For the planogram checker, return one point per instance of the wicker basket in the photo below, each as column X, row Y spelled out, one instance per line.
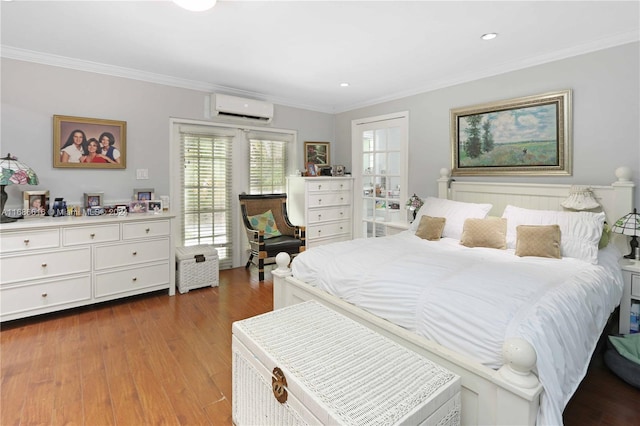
column 196, row 267
column 307, row 364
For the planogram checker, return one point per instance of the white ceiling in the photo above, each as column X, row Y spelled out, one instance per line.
column 297, row 53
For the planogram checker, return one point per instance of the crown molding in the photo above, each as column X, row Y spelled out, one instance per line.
column 99, row 68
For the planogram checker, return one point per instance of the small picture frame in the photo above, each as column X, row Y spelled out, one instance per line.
column 312, row 169
column 36, row 203
column 93, row 199
column 138, row 206
column 154, row 207
column 338, row 170
column 317, row 153
column 143, row 194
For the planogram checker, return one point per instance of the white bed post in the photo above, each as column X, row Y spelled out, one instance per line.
column 443, row 183
column 279, row 274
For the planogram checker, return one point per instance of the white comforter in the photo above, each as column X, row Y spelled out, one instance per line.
column 472, row 299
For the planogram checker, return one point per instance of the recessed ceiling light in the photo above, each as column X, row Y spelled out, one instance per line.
column 344, row 84
column 489, row 36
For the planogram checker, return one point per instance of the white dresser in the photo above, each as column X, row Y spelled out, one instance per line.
column 324, row 205
column 50, row 264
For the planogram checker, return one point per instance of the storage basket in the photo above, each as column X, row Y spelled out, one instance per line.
column 196, row 267
column 306, row 364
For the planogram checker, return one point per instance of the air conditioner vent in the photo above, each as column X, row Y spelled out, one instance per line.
column 241, row 108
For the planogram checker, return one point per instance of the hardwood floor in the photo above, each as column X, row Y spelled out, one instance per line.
column 156, row 359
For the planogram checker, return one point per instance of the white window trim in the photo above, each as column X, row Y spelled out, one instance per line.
column 240, row 181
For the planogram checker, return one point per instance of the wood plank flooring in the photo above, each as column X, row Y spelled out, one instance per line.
column 155, row 359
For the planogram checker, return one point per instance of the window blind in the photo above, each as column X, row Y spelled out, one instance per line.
column 267, row 162
column 206, row 216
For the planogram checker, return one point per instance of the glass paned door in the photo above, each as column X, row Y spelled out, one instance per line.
column 380, row 164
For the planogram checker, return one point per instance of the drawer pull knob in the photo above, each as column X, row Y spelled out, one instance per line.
column 135, row 253
column 134, row 279
column 319, row 231
column 341, row 213
column 92, row 235
column 319, row 216
column 44, row 265
column 147, row 230
column 279, row 385
column 26, row 242
column 319, row 200
column 44, row 294
column 319, row 186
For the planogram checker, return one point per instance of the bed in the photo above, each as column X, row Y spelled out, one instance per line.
column 519, row 364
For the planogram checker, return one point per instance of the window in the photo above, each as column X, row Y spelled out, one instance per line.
column 206, row 216
column 267, row 162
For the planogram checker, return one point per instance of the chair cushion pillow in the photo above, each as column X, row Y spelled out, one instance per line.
column 265, row 222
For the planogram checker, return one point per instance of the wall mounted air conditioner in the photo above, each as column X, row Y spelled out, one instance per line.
column 225, row 106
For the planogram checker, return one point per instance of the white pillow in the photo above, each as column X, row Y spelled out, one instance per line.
column 580, row 232
column 455, row 213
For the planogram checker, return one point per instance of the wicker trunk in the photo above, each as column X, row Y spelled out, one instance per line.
column 196, row 267
column 306, row 364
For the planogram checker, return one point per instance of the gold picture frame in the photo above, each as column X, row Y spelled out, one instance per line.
column 35, row 203
column 523, row 136
column 89, row 143
column 317, row 153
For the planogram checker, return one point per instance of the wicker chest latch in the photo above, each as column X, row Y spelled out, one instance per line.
column 278, row 384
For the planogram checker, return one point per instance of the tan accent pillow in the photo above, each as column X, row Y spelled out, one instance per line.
column 490, row 232
column 430, row 228
column 538, row 240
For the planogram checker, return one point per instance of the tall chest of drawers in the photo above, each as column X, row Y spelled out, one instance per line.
column 324, row 205
column 51, row 264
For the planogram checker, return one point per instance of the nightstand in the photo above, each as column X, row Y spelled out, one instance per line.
column 631, row 292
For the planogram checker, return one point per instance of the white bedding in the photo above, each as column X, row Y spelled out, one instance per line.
column 472, row 299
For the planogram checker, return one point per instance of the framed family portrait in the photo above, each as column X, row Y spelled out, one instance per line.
column 89, row 143
column 523, row 136
column 35, row 203
column 316, row 153
column 155, row 206
column 143, row 194
column 93, row 199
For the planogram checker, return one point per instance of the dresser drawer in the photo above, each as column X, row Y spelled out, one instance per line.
column 44, row 295
column 328, row 229
column 131, row 280
column 635, row 285
column 29, row 240
column 154, row 228
column 321, row 185
column 131, row 253
column 44, row 265
column 90, row 234
column 329, row 199
column 318, row 215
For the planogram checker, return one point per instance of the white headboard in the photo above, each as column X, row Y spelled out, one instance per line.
column 616, row 199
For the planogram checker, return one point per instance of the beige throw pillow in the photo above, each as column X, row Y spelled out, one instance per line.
column 490, row 232
column 430, row 228
column 538, row 240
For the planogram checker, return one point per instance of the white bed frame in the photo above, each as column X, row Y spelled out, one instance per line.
column 511, row 394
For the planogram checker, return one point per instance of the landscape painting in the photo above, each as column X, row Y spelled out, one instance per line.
column 520, row 136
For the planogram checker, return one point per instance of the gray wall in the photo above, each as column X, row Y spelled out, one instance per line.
column 32, row 93
column 606, row 129
column 606, row 117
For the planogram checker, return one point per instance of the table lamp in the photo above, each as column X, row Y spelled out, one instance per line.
column 14, row 172
column 629, row 225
